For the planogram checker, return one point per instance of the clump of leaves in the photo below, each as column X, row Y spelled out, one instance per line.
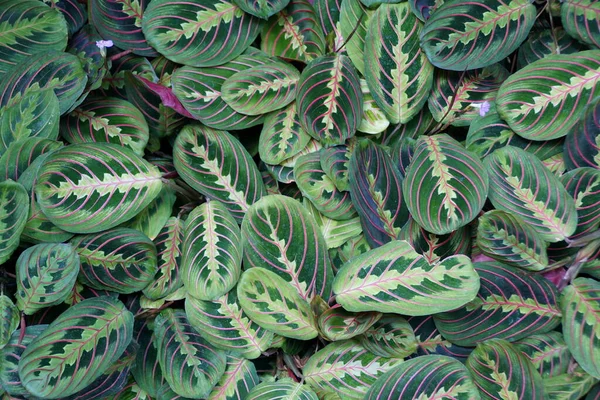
column 293, row 199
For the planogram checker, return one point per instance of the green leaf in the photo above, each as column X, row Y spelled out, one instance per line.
column 121, row 260
column 425, row 377
column 397, row 71
column 346, row 369
column 330, row 99
column 509, row 239
column 294, row 33
column 211, row 252
column 46, row 274
column 468, row 35
column 390, row 337
column 14, row 207
column 581, row 323
column 570, row 386
column 582, row 144
column 190, row 365
column 275, row 304
column 224, row 324
column 394, row 278
column 91, row 187
column 261, row 89
column 203, row 33
column 282, row 136
column 27, row 28
column 270, row 233
column 545, row 43
column 335, row 232
column 337, row 324
column 353, row 25
column 217, row 165
column 155, row 215
column 23, row 153
column 430, row 341
column 262, row 8
column 239, row 378
column 548, row 352
column 511, row 305
column 79, row 346
column 9, row 319
column 545, row 99
column 522, row 185
column 580, row 19
column 445, row 185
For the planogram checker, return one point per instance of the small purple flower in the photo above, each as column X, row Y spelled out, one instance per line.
column 104, row 44
column 484, row 108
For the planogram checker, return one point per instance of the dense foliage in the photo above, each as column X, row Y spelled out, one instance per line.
column 293, row 199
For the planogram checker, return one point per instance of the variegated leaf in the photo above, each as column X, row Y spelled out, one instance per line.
column 23, row 153
column 211, row 252
column 261, row 89
column 582, row 144
column 394, row 278
column 545, row 43
column 509, row 239
column 336, row 324
column 283, row 389
column 262, row 8
column 107, row 119
column 445, row 185
column 581, row 19
column 274, row 304
column 583, row 184
column 373, row 120
column 580, row 304
column 121, row 260
column 430, row 340
column 9, row 319
column 376, row 187
column 346, row 369
column 282, row 236
column 224, row 324
column 421, row 124
column 468, row 35
column 154, row 216
column 398, row 73
column 81, row 343
column 521, row 184
column 190, row 365
column 390, row 337
column 217, row 165
column 168, row 250
column 239, row 378
column 14, row 208
column 146, row 369
column 571, row 386
column 294, row 33
column 545, row 99
column 329, row 99
column 500, row 371
column 335, row 161
column 282, row 136
column 548, row 352
column 46, row 274
column 90, row 187
column 426, row 377
column 353, row 25
column 202, row 33
column 335, row 232
column 320, row 189
column 511, row 305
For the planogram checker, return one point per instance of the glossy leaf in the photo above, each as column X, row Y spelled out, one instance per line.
column 545, row 99
column 294, row 33
column 121, row 21
column 548, row 353
column 425, row 377
column 373, row 120
column 335, row 232
column 217, row 165
column 239, row 378
column 275, row 305
column 354, row 22
column 500, row 371
column 376, row 187
column 284, row 389
column 107, row 119
column 46, row 274
column 571, row 386
column 397, row 71
column 547, row 42
column 282, row 136
column 226, row 326
column 9, row 319
column 21, row 154
column 76, row 348
column 582, row 144
column 270, row 233
column 581, row 20
column 27, row 28
column 262, row 9
column 468, row 35
column 14, row 208
column 190, row 365
column 346, row 369
column 507, row 238
column 521, row 184
column 583, row 184
column 336, row 324
column 436, row 247
column 445, row 185
column 201, row 33
column 329, row 99
column 262, row 89
column 90, row 187
column 335, row 161
column 430, row 341
column 154, row 216
column 581, row 323
column 121, row 260
column 511, row 305
column 394, row 278
column 390, row 337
